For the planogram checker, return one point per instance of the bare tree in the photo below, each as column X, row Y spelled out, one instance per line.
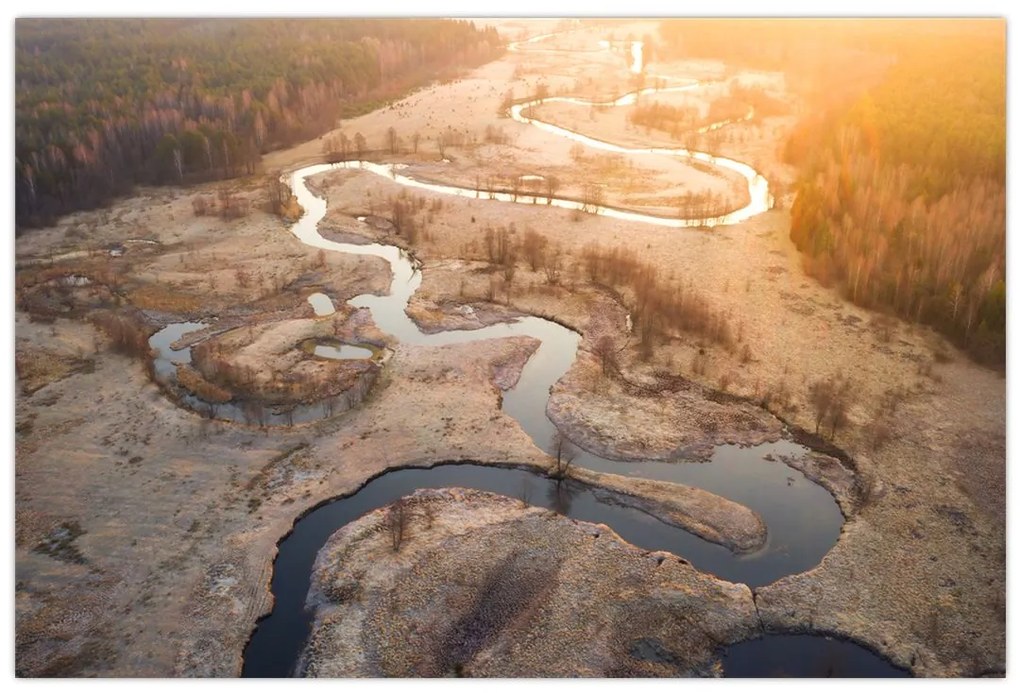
column 820, row 396
column 606, row 351
column 509, row 270
column 490, row 244
column 402, row 218
column 552, row 184
column 396, row 522
column 253, row 412
column 592, row 198
column 359, row 145
column 839, row 416
column 564, row 454
column 500, row 246
column 391, row 139
column 279, row 193
column 533, row 246
column 507, row 103
column 831, row 400
column 553, row 267
column 956, row 297
column 515, row 188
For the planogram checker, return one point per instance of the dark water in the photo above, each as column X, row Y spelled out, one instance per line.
column 805, row 656
column 279, row 639
column 803, row 520
column 167, row 358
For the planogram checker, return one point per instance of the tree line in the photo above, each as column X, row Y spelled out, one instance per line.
column 900, row 199
column 102, row 105
column 662, row 309
column 678, row 121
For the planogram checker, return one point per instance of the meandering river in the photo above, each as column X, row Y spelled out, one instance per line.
column 803, row 519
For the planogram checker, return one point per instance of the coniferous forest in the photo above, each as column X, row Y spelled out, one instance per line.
column 901, row 199
column 103, row 105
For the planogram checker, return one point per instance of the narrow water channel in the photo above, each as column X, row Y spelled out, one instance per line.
column 278, row 640
column 803, row 519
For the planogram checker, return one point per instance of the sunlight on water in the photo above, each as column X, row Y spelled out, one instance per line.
column 781, row 495
column 803, row 519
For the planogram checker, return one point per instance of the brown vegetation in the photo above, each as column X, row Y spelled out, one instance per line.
column 193, row 381
column 226, row 204
column 220, row 370
column 902, row 203
column 282, row 201
column 682, row 122
column 126, row 334
column 563, row 453
column 396, row 522
column 831, row 399
column 162, row 298
column 659, row 309
column 103, row 104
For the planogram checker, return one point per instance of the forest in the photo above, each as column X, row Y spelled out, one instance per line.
column 680, row 121
column 103, row 105
column 901, row 200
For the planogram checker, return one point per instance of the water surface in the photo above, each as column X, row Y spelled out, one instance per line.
column 805, row 656
column 803, row 519
column 321, row 304
column 167, row 358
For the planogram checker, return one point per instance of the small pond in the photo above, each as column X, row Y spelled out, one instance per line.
column 336, row 350
column 321, row 304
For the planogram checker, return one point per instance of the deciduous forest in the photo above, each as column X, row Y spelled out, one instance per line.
column 901, row 197
column 102, row 105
